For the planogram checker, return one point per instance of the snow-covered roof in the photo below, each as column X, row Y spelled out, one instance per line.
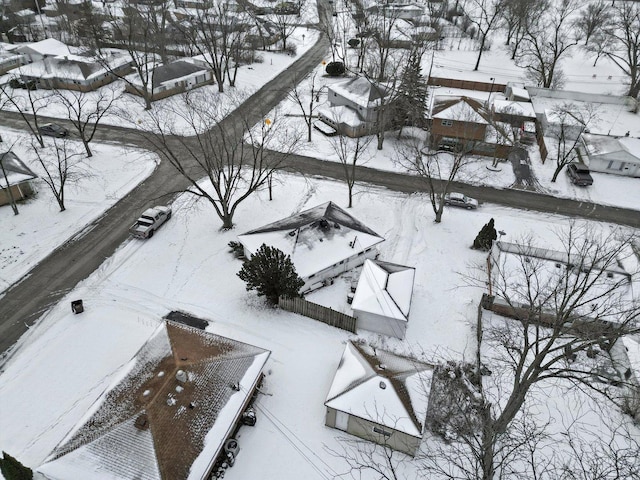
column 72, row 67
column 168, row 412
column 384, row 289
column 315, row 239
column 47, row 47
column 15, row 169
column 523, row 109
column 341, row 114
column 624, row 148
column 459, row 109
column 382, row 387
column 360, row 91
column 611, row 115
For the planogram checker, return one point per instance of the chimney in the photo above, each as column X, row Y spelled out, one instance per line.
column 142, row 422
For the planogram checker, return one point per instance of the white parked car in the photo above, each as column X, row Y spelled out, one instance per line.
column 460, row 200
column 150, row 220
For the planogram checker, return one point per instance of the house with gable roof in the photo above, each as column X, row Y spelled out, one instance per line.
column 75, row 72
column 323, row 242
column 381, row 397
column 354, row 106
column 15, row 178
column 172, row 78
column 463, row 123
column 169, row 412
column 36, row 51
column 617, row 155
column 382, row 298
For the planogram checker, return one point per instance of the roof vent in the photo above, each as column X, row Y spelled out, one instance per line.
column 142, row 422
column 381, row 366
column 236, row 387
column 383, row 385
column 181, row 376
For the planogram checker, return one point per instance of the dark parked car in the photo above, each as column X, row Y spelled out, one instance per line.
column 53, row 130
column 579, row 174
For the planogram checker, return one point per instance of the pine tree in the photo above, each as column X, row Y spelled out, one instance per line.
column 12, row 469
column 412, row 94
column 486, row 236
column 271, row 273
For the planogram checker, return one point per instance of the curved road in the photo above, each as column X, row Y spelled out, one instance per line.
column 50, row 280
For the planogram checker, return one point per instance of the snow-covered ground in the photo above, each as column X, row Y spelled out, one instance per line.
column 40, row 227
column 65, row 362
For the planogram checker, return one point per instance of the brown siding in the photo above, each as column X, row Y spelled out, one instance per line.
column 467, row 84
column 466, row 130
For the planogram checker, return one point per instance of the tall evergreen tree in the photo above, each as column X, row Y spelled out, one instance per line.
column 411, row 100
column 486, row 236
column 271, row 273
column 12, row 469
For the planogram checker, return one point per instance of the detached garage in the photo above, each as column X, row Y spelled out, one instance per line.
column 382, row 299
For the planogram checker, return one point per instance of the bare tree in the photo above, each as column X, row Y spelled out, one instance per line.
column 136, row 34
column 594, row 18
column 218, row 35
column 285, row 24
column 567, row 307
column 232, row 166
column 626, row 35
column 603, row 43
column 86, row 110
column 484, row 14
column 62, row 165
column 569, row 123
column 299, row 96
column 517, row 14
column 382, row 30
column 546, row 41
column 28, row 107
column 437, row 168
column 350, row 153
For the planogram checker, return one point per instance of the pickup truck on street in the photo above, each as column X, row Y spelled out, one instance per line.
column 579, row 174
column 150, row 220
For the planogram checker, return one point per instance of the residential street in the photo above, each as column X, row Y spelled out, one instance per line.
column 49, row 281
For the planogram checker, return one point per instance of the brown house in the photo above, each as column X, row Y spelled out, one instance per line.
column 465, row 124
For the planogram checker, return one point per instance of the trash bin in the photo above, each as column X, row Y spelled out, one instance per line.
column 76, row 306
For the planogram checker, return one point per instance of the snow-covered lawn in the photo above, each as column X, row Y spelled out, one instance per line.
column 40, row 227
column 65, row 362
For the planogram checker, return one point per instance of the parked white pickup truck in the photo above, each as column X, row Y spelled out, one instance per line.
column 150, row 221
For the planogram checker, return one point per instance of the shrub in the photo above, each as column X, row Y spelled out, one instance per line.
column 486, row 236
column 335, row 69
column 12, row 469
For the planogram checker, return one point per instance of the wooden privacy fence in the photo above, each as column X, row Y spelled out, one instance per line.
column 318, row 312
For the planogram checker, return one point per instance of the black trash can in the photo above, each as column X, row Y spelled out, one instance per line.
column 76, row 306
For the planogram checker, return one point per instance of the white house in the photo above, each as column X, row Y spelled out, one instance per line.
column 36, row 51
column 323, row 242
column 76, row 72
column 382, row 298
column 381, row 397
column 172, row 78
column 169, row 412
column 618, row 155
column 354, row 105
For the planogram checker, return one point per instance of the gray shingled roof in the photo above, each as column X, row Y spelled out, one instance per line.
column 173, row 70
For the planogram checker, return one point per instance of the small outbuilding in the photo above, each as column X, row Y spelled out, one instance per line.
column 382, row 298
column 15, row 178
column 381, row 397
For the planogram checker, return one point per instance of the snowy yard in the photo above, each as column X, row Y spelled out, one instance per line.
column 40, row 227
column 66, row 361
